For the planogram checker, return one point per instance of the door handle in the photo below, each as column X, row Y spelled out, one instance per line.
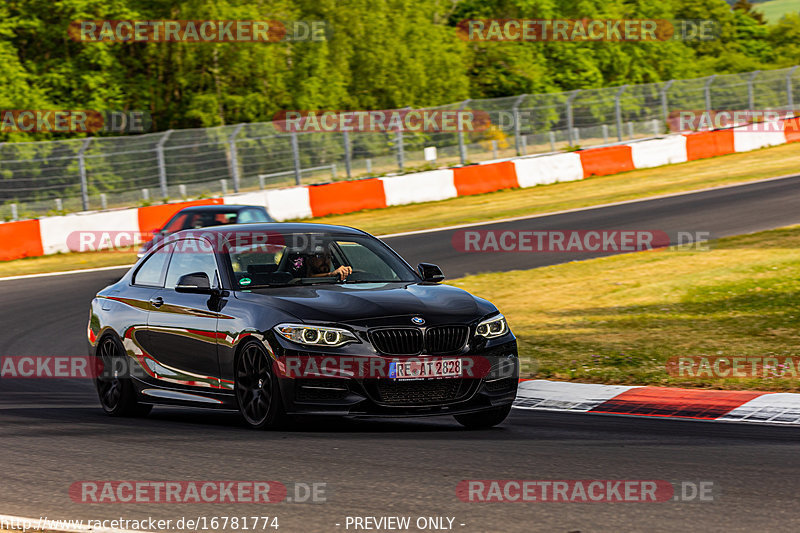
column 157, row 302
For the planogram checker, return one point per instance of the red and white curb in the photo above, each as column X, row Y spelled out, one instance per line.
column 756, row 407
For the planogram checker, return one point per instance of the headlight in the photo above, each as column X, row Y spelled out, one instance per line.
column 492, row 327
column 315, row 335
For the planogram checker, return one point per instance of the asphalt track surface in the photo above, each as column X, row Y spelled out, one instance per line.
column 53, row 433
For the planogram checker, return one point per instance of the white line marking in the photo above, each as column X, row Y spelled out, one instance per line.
column 64, row 273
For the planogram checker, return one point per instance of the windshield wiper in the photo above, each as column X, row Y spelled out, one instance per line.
column 316, row 281
column 373, row 281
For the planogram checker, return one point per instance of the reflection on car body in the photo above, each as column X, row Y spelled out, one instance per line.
column 262, row 319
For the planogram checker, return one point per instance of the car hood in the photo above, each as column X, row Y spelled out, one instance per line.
column 371, row 302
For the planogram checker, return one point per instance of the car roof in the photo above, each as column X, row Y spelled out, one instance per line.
column 217, row 208
column 279, row 227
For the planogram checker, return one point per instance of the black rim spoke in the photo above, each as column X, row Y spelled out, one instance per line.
column 254, row 385
column 108, row 387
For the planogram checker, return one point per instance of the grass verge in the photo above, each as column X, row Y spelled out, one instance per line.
column 619, row 319
column 65, row 262
column 723, row 170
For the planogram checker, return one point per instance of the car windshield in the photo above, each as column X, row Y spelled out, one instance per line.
column 281, row 259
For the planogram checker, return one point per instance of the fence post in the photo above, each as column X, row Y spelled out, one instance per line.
column 664, row 102
column 234, row 157
column 789, row 87
column 14, row 212
column 400, row 152
column 552, row 141
column 296, row 157
column 605, row 133
column 750, row 95
column 570, row 118
column 162, row 168
column 707, row 90
column 462, row 147
column 347, row 156
column 82, row 170
column 618, row 111
column 517, row 129
column 103, row 201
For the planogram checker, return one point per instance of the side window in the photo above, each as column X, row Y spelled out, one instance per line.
column 190, row 256
column 151, row 273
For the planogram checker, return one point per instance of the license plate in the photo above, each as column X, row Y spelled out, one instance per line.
column 440, row 368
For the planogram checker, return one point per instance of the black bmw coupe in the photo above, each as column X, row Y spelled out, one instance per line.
column 283, row 319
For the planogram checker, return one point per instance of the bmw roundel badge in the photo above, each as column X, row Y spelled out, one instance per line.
column 418, row 320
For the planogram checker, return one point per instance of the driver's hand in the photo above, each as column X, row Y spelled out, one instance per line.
column 342, row 272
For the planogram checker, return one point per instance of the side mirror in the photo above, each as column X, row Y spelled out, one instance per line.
column 194, row 283
column 430, row 272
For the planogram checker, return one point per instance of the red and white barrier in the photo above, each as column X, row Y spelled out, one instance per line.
column 658, row 152
column 745, row 139
column 430, row 186
column 287, row 204
column 56, row 230
column 660, row 402
column 31, row 238
column 548, row 169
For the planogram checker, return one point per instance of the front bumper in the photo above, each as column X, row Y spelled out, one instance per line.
column 380, row 396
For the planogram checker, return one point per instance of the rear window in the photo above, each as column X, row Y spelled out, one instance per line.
column 247, row 216
column 205, row 219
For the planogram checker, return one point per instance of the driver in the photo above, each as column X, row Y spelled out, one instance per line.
column 320, row 264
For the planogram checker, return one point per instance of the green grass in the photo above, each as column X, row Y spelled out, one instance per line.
column 775, row 9
column 619, row 319
column 65, row 262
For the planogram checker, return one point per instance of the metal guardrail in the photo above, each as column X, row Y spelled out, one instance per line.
column 37, row 178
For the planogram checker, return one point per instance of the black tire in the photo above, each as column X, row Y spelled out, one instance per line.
column 483, row 419
column 117, row 394
column 256, row 388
